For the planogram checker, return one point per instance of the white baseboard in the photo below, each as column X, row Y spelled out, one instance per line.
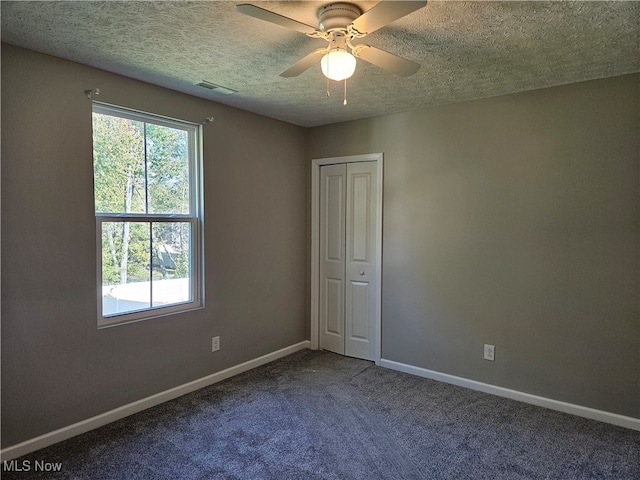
column 586, row 412
column 92, row 423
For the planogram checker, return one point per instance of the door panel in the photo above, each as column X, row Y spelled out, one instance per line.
column 358, row 297
column 360, row 264
column 360, row 216
column 334, row 307
column 332, row 257
column 334, row 198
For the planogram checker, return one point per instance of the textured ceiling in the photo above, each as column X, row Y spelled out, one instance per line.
column 468, row 50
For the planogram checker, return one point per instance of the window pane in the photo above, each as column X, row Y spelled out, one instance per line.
column 118, row 164
column 125, row 267
column 167, row 170
column 171, row 263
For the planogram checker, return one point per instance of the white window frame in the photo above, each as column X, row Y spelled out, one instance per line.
column 195, row 219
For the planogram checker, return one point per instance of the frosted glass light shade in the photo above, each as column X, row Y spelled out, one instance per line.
column 338, row 64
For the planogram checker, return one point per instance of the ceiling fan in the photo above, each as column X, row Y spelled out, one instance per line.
column 339, row 24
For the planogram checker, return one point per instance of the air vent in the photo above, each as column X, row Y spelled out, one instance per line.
column 216, row 88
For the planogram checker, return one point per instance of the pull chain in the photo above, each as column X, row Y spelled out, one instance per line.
column 345, row 92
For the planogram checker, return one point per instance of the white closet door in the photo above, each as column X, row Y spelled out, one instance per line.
column 332, row 257
column 347, row 259
column 360, row 294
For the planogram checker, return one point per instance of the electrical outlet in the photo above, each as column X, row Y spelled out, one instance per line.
column 489, row 352
column 215, row 344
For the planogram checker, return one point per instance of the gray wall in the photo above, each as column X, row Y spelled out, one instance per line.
column 57, row 367
column 513, row 221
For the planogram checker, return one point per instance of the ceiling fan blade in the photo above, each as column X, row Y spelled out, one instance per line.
column 304, row 64
column 268, row 16
column 384, row 13
column 388, row 61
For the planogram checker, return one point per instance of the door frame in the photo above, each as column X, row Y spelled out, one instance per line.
column 316, row 163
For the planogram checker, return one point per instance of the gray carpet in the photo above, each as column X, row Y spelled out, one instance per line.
column 316, row 415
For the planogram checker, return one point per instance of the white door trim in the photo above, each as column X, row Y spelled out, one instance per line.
column 316, row 163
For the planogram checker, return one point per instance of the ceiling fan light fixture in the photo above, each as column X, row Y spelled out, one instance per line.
column 338, row 64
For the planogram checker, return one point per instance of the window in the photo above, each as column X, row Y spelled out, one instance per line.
column 146, row 172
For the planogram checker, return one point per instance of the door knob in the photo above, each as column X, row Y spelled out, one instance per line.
column 361, row 272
